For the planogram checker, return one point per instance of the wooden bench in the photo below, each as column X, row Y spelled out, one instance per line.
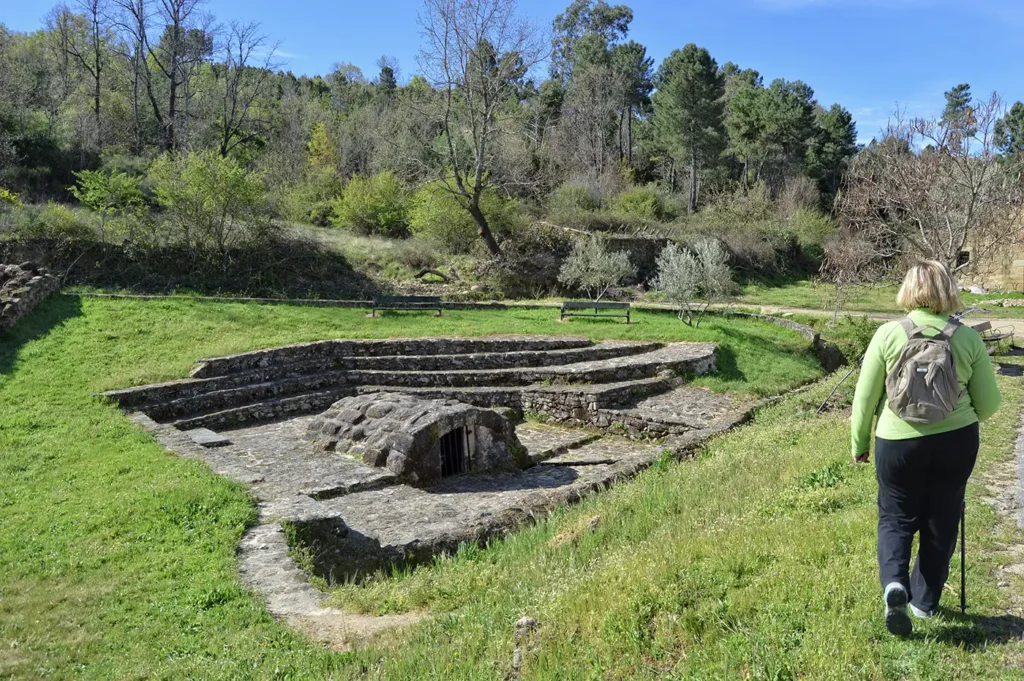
column 575, row 308
column 991, row 337
column 416, row 303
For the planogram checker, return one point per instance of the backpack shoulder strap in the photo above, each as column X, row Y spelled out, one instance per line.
column 910, row 327
column 950, row 328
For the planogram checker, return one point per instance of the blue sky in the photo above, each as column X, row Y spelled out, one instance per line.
column 868, row 55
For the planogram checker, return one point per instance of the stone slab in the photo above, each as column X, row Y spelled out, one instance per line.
column 207, row 438
column 543, row 441
column 604, row 451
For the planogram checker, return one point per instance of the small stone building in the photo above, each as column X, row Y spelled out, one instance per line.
column 420, row 441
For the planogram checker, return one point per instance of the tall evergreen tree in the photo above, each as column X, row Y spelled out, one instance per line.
column 1010, row 132
column 689, row 108
column 833, row 145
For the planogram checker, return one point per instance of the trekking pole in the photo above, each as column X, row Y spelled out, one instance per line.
column 963, row 559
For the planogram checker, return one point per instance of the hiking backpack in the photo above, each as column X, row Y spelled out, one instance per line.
column 923, row 387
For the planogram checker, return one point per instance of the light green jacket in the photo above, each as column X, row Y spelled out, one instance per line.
column 973, row 370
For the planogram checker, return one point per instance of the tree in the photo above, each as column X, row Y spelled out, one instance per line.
column 84, row 38
column 958, row 121
column 182, row 44
column 634, row 68
column 927, row 191
column 831, row 148
column 770, row 129
column 690, row 110
column 584, row 33
column 109, row 194
column 242, row 118
column 476, row 52
column 387, row 81
column 594, row 268
column 1009, row 132
column 694, row 280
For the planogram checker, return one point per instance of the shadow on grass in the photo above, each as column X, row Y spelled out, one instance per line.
column 49, row 315
column 977, row 631
column 727, row 368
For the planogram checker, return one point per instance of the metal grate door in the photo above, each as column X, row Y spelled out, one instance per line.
column 453, row 452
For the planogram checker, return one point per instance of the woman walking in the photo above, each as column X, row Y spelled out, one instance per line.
column 937, row 382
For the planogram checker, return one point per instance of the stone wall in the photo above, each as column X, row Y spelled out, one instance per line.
column 22, row 288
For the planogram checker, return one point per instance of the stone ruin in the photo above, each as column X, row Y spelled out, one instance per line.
column 22, row 288
column 371, row 454
column 418, row 440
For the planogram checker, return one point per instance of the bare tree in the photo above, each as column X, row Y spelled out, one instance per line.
column 181, row 46
column 477, row 53
column 245, row 83
column 83, row 39
column 585, row 136
column 935, row 188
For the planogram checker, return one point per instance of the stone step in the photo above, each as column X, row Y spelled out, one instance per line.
column 558, row 402
column 264, row 412
column 604, row 451
column 139, row 398
column 219, row 400
column 325, row 351
column 673, row 358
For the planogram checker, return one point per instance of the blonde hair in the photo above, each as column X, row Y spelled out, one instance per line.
column 929, row 285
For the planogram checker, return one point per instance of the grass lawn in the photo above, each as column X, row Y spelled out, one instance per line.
column 755, row 561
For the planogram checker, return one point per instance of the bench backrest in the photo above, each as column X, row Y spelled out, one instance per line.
column 407, row 300
column 589, row 305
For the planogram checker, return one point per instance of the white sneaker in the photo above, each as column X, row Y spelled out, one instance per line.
column 896, row 619
column 921, row 614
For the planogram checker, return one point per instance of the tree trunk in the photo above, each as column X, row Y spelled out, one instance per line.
column 692, row 206
column 483, row 229
column 629, row 137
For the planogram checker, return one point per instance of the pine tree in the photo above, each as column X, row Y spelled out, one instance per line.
column 690, row 110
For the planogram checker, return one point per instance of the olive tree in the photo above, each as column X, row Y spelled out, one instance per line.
column 592, row 267
column 694, row 280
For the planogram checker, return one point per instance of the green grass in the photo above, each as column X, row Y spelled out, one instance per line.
column 756, row 561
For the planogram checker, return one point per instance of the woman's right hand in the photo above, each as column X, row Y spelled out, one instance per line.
column 862, row 458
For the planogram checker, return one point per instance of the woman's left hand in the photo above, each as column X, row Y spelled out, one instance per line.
column 862, row 458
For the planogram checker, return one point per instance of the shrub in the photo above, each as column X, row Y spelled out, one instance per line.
column 211, row 200
column 571, row 198
column 438, row 216
column 373, row 205
column 312, row 198
column 594, row 268
column 643, row 202
column 811, row 228
column 54, row 222
column 9, row 199
column 694, row 281
column 110, row 195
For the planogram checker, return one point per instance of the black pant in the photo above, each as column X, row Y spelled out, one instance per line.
column 921, row 485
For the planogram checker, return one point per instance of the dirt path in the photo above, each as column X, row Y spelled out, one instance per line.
column 1004, row 485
